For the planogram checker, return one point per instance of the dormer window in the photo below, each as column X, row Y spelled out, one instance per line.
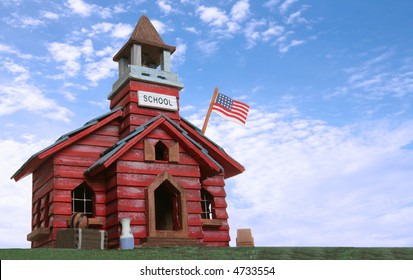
column 161, row 151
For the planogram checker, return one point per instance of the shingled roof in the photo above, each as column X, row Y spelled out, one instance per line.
column 213, row 158
column 144, row 34
column 209, row 166
column 64, row 141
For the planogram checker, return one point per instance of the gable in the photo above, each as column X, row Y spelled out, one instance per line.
column 66, row 140
column 230, row 165
column 211, row 158
column 209, row 167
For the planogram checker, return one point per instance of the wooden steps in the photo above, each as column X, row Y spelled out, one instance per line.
column 156, row 242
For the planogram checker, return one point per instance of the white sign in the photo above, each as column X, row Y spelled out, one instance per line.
column 156, row 100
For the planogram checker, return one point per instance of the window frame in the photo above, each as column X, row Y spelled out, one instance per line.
column 207, row 205
column 87, row 197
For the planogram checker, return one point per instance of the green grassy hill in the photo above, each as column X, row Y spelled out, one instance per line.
column 256, row 253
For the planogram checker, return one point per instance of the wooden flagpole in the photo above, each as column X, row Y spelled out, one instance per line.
column 214, row 97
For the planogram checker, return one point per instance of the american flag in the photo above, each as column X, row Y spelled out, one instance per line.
column 230, row 109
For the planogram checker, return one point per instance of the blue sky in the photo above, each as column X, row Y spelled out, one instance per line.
column 328, row 146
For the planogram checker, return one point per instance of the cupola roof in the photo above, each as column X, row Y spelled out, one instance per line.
column 145, row 35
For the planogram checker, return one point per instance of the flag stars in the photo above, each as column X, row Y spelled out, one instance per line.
column 224, row 101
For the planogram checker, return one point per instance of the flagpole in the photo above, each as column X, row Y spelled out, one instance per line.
column 214, row 97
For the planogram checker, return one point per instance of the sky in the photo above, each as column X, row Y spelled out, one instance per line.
column 328, row 144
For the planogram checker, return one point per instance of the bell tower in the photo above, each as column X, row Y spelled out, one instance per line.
column 146, row 86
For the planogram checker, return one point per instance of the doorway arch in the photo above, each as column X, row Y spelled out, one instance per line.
column 167, row 208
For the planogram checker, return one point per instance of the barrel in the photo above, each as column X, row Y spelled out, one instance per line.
column 79, row 220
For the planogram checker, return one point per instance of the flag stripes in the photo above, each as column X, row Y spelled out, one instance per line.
column 230, row 109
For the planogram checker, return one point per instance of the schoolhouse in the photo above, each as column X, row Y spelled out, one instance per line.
column 141, row 160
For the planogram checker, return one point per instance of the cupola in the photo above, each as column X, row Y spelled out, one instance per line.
column 145, row 57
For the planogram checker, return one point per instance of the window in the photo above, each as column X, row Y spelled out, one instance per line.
column 207, row 204
column 161, row 151
column 46, row 210
column 36, row 218
column 82, row 200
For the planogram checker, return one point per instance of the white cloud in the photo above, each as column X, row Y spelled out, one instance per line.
column 225, row 25
column 16, row 69
column 15, row 198
column 49, row 15
column 164, row 6
column 117, row 31
column 207, row 47
column 102, row 27
column 87, row 48
column 212, row 15
column 240, row 10
column 6, row 49
column 193, row 30
column 70, row 57
column 95, row 65
column 296, row 18
column 101, row 69
column 222, row 24
column 23, row 96
column 286, row 5
column 187, row 108
column 68, row 54
column 284, row 48
column 178, row 57
column 107, row 51
column 378, row 77
column 9, row 3
column 309, row 183
column 80, row 7
column 121, row 30
column 101, row 104
column 271, row 3
column 13, row 50
column 273, row 31
column 119, row 8
column 77, row 86
column 84, row 9
column 251, row 33
column 68, row 95
column 161, row 27
column 21, row 21
column 262, row 31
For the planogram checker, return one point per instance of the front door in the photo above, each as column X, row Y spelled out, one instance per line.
column 167, row 208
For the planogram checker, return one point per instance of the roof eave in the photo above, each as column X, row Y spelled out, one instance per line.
column 37, row 159
column 231, row 166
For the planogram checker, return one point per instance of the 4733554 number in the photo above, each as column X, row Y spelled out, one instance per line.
column 254, row 270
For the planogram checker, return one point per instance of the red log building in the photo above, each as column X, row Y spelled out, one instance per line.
column 141, row 160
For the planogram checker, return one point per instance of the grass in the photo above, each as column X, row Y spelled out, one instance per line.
column 239, row 253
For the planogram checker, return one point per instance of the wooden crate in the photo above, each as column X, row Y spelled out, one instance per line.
column 78, row 238
column 244, row 238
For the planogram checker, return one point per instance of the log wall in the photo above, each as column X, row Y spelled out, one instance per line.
column 217, row 236
column 120, row 190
